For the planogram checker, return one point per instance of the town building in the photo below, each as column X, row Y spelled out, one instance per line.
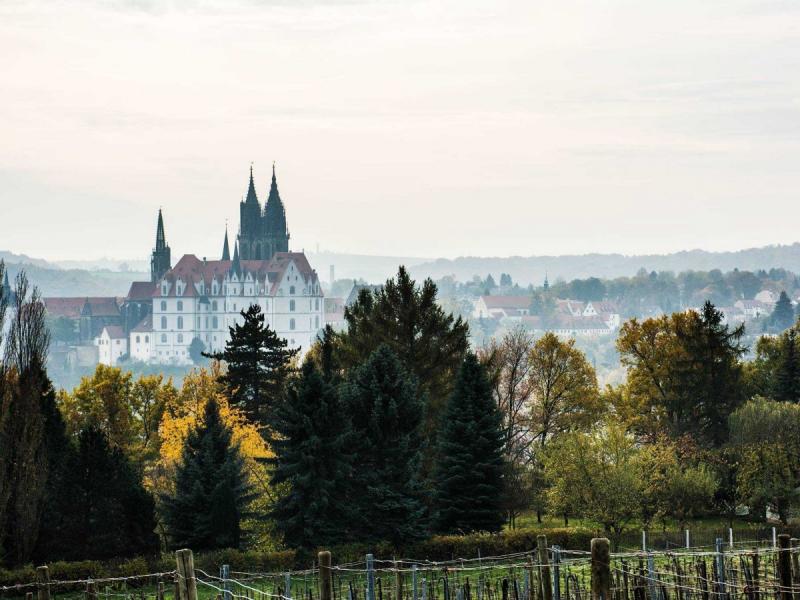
column 112, row 345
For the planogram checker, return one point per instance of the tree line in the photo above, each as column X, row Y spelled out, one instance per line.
column 389, row 431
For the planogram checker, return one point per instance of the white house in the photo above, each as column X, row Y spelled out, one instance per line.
column 112, row 344
column 500, row 307
column 141, row 340
column 202, row 299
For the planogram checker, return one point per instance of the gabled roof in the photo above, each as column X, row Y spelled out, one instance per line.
column 145, row 325
column 141, row 290
column 115, row 332
column 73, row 308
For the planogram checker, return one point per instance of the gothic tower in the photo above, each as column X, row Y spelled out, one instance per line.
column 250, row 243
column 275, row 232
column 226, row 251
column 160, row 261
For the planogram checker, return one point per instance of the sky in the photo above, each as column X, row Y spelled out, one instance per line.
column 432, row 129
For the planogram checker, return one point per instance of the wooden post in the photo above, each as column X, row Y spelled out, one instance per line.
column 28, row 595
column 784, row 566
column 544, row 567
column 601, row 569
column 160, row 592
column 91, row 593
column 325, row 579
column 755, row 574
column 556, row 573
column 398, row 582
column 187, row 584
column 795, row 564
column 43, row 581
column 370, row 577
column 225, row 574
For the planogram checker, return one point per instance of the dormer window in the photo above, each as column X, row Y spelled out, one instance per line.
column 164, row 289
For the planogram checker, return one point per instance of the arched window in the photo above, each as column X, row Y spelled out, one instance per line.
column 137, row 339
column 163, row 322
column 316, row 322
column 163, row 305
column 163, row 338
column 291, row 290
column 214, row 305
column 180, row 338
column 180, row 305
column 147, row 339
column 316, row 304
column 180, row 322
column 214, row 322
column 291, row 305
column 291, row 324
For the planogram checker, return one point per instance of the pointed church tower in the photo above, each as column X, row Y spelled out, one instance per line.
column 226, row 253
column 276, row 233
column 236, row 265
column 250, row 223
column 160, row 261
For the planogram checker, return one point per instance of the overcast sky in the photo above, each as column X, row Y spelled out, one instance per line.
column 401, row 127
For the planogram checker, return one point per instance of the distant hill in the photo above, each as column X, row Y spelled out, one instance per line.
column 532, row 269
column 77, row 282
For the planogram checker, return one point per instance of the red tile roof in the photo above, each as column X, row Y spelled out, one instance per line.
column 145, row 325
column 115, row 332
column 71, row 308
column 141, row 290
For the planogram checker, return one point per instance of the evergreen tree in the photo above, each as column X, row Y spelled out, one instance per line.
column 469, row 473
column 311, row 456
column 783, row 315
column 383, row 399
column 786, row 383
column 211, row 489
column 258, row 365
column 102, row 510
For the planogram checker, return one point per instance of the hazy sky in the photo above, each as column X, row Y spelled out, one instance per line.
column 401, row 127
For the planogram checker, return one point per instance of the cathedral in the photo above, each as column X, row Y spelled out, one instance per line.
column 196, row 301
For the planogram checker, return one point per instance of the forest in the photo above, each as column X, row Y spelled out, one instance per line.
column 390, row 432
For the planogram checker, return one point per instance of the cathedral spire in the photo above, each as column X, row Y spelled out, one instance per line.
column 160, row 261
column 251, row 190
column 236, row 266
column 226, row 252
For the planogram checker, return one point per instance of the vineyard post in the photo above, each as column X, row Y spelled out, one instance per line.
column 91, row 594
column 370, row 577
column 644, row 541
column 187, row 584
column 784, row 567
column 601, row 569
column 774, row 538
column 795, row 563
column 730, row 537
column 687, row 540
column 160, row 591
column 556, row 573
column 544, row 567
column 755, row 573
column 325, row 582
column 651, row 575
column 720, row 558
column 413, row 582
column 43, row 581
column 398, row 582
column 287, row 584
column 28, row 595
column 225, row 574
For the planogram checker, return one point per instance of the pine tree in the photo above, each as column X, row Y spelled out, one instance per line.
column 383, row 399
column 311, row 456
column 258, row 365
column 783, row 315
column 469, row 473
column 103, row 510
column 786, row 384
column 211, row 489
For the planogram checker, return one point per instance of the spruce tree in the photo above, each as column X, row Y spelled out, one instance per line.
column 786, row 383
column 383, row 400
column 258, row 365
column 102, row 510
column 211, row 489
column 470, row 467
column 311, row 457
column 783, row 314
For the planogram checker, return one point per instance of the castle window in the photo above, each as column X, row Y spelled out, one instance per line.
column 291, row 324
column 291, row 290
column 164, row 289
column 163, row 322
column 163, row 306
column 180, row 305
column 137, row 339
column 214, row 305
column 180, row 338
column 163, row 338
column 316, row 322
column 214, row 322
column 180, row 322
column 316, row 304
column 291, row 305
column 147, row 339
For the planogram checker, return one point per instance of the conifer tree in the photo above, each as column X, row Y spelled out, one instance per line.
column 211, row 489
column 786, row 384
column 383, row 400
column 469, row 472
column 783, row 314
column 258, row 365
column 311, row 457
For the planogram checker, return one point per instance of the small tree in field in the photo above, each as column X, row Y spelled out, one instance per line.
column 469, row 473
column 211, row 489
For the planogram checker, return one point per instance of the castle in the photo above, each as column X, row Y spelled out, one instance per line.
column 190, row 306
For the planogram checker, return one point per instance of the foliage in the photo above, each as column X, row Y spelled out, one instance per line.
column 407, row 319
column 211, row 488
column 782, row 316
column 103, row 511
column 470, row 468
column 775, row 370
column 383, row 401
column 258, row 365
column 312, row 458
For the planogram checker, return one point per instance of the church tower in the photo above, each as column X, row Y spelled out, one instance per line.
column 226, row 251
column 160, row 261
column 276, row 234
column 250, row 243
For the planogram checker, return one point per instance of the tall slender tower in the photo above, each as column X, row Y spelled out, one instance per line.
column 226, row 251
column 276, row 234
column 250, row 243
column 160, row 261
